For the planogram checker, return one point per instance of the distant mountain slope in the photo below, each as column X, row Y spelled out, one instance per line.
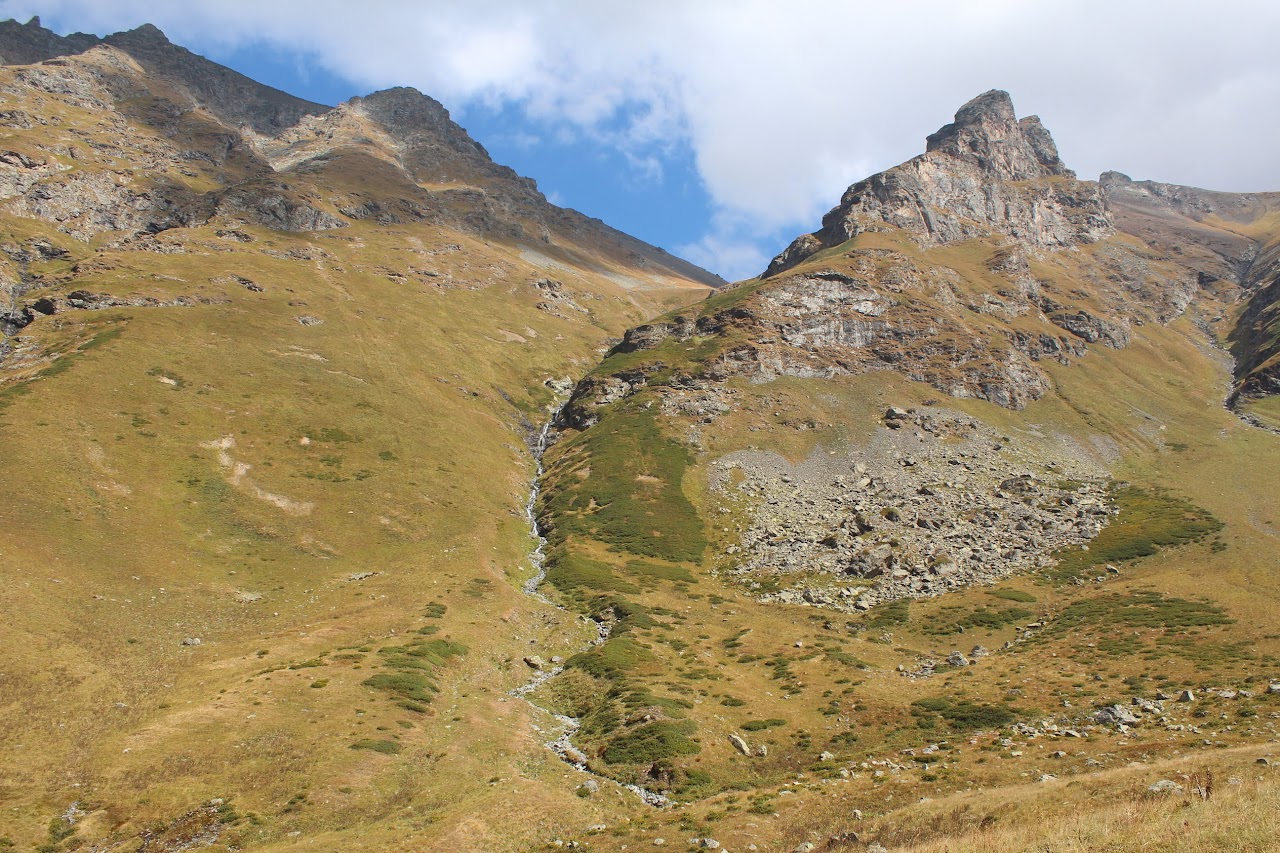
column 283, row 367
column 247, row 134
column 1230, row 240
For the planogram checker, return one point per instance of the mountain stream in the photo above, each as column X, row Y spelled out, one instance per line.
column 562, row 744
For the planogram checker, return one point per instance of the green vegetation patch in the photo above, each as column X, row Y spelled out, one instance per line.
column 984, row 618
column 612, row 659
column 386, row 747
column 1148, row 521
column 574, row 574
column 960, row 714
column 414, row 686
column 1208, row 656
column 648, row 569
column 762, row 725
column 412, row 669
column 622, row 487
column 1013, row 595
column 889, row 614
column 651, row 742
column 1139, row 609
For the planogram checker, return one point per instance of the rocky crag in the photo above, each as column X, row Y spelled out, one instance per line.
column 986, row 171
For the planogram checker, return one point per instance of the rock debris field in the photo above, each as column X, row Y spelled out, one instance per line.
column 935, row 501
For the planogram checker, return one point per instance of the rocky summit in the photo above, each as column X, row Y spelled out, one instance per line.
column 356, row 497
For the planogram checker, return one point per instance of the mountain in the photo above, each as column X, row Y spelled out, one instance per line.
column 358, row 498
column 953, row 480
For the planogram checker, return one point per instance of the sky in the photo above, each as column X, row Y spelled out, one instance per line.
column 721, row 129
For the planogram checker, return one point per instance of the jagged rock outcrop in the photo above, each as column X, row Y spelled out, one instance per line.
column 986, row 172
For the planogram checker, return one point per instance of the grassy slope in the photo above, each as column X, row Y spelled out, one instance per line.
column 387, row 439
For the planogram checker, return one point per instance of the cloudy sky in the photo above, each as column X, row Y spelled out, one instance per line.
column 720, row 129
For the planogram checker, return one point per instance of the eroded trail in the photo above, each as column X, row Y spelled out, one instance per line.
column 562, row 744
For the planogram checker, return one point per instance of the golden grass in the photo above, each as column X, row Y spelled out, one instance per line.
column 1238, row 813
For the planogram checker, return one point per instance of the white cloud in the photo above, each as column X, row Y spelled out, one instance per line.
column 784, row 104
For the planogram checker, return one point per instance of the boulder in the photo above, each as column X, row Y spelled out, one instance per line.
column 1113, row 715
column 1165, row 786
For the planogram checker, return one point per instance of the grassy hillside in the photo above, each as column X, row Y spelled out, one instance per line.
column 262, row 496
column 860, row 710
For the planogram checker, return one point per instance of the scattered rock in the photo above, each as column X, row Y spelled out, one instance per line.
column 1165, row 786
column 191, row 641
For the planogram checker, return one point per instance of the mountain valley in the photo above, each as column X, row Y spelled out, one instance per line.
column 359, row 498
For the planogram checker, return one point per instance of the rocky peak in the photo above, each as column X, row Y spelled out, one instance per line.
column 986, row 173
column 987, row 133
column 24, row 44
column 233, row 98
column 409, row 115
